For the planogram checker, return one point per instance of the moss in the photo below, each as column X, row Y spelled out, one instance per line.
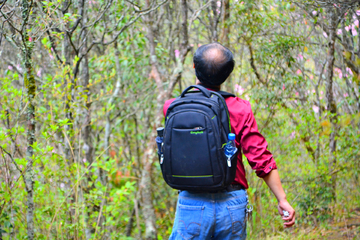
column 29, row 79
column 31, row 86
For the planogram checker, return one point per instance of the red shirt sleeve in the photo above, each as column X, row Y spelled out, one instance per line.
column 167, row 104
column 254, row 147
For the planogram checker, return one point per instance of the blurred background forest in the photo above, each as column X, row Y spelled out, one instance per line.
column 82, row 88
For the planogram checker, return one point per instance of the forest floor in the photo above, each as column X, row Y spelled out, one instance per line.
column 348, row 229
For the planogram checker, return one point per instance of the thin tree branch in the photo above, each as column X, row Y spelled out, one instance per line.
column 252, row 63
column 15, row 163
column 53, row 46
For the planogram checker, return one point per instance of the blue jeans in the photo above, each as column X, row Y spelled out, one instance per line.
column 210, row 216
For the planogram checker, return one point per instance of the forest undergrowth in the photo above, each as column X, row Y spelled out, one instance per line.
column 82, row 85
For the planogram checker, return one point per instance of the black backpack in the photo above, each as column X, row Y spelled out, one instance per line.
column 197, row 124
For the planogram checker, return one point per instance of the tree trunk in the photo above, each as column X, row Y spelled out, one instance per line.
column 225, row 40
column 29, row 82
column 331, row 104
column 87, row 146
column 86, row 115
column 145, row 181
column 214, row 20
column 65, row 52
column 69, row 86
column 108, row 112
column 148, row 158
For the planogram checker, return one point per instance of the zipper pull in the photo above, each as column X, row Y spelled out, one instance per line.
column 161, row 158
column 229, row 162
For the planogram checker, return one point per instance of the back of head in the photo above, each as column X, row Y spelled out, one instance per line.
column 213, row 64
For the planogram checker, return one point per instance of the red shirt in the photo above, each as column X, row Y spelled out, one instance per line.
column 248, row 139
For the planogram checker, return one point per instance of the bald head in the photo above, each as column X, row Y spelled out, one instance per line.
column 213, row 64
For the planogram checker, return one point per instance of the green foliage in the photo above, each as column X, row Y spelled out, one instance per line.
column 87, row 176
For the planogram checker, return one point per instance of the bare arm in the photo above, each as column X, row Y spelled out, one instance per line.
column 274, row 183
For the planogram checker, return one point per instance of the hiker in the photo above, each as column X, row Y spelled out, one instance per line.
column 222, row 214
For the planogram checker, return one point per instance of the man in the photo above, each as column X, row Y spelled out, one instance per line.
column 222, row 215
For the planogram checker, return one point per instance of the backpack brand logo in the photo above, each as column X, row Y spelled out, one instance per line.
column 198, row 132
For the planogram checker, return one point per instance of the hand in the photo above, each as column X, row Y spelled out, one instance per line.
column 285, row 206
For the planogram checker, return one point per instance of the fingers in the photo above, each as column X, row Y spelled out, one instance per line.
column 289, row 221
column 287, row 213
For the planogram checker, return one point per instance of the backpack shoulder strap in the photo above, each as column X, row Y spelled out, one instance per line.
column 226, row 94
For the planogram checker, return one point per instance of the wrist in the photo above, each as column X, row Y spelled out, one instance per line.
column 282, row 199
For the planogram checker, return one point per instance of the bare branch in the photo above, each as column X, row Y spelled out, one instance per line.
column 7, row 19
column 13, row 66
column 26, row 18
column 66, row 8
column 53, row 46
column 100, row 15
column 101, row 41
column 196, row 13
column 3, row 4
column 13, row 160
column 252, row 63
column 137, row 7
column 81, row 13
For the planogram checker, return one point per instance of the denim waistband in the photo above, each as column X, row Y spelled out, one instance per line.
column 219, row 196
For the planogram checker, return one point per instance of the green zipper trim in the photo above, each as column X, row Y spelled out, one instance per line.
column 201, row 176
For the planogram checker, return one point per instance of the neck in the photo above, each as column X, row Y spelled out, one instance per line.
column 217, row 88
